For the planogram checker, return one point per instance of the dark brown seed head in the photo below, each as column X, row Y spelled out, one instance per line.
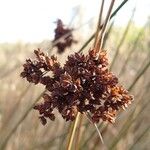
column 84, row 84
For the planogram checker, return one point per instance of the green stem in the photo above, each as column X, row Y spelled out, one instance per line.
column 122, row 40
column 139, row 76
column 93, row 35
column 135, row 44
column 4, row 138
column 146, row 131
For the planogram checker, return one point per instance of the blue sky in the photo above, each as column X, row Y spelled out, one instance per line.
column 32, row 20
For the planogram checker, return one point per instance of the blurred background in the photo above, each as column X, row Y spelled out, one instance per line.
column 28, row 25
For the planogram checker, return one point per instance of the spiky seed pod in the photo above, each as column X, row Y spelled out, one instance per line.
column 84, row 84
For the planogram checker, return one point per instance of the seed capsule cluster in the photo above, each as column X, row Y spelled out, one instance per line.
column 84, row 84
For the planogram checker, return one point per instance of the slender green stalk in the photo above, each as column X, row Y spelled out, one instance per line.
column 134, row 116
column 128, row 123
column 146, row 131
column 131, row 119
column 108, row 34
column 12, row 113
column 139, row 75
column 86, row 43
column 118, row 8
column 93, row 35
column 4, row 138
column 122, row 39
column 135, row 44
